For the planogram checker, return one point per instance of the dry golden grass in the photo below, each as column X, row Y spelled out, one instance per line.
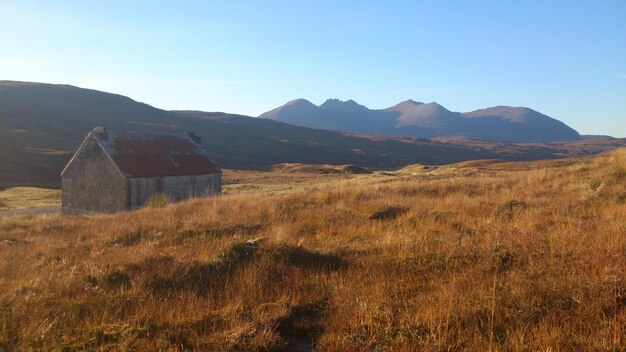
column 29, row 197
column 511, row 257
column 274, row 182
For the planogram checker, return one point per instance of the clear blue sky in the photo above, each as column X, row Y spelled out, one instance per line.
column 566, row 59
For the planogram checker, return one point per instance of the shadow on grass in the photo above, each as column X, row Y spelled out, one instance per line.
column 303, row 258
column 219, row 231
column 388, row 213
column 166, row 276
column 302, row 326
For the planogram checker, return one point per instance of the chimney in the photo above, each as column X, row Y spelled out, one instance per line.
column 194, row 137
column 100, row 132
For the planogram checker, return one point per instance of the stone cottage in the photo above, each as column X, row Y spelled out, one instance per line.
column 115, row 171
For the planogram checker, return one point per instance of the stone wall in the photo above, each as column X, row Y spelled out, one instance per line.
column 176, row 188
column 93, row 183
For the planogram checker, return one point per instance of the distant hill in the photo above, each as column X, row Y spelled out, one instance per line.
column 591, row 136
column 410, row 118
column 41, row 125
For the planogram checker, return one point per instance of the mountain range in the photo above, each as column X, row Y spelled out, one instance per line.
column 414, row 119
column 41, row 125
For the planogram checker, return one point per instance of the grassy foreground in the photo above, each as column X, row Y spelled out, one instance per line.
column 487, row 257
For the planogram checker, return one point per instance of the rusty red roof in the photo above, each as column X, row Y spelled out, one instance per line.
column 155, row 155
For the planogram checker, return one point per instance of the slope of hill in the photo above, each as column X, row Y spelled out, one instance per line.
column 410, row 118
column 509, row 260
column 530, row 124
column 41, row 125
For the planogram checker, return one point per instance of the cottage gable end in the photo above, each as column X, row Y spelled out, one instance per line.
column 92, row 182
column 89, row 139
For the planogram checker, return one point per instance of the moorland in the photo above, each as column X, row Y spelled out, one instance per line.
column 478, row 256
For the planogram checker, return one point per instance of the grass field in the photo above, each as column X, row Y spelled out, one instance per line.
column 29, row 197
column 481, row 256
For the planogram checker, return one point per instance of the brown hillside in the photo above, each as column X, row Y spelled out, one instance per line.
column 527, row 257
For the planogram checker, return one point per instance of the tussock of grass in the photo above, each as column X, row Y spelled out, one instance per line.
column 116, row 279
column 157, row 200
column 127, row 240
column 527, row 257
column 388, row 213
column 214, row 231
column 511, row 209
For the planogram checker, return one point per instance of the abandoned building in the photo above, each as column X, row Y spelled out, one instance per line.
column 115, row 171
